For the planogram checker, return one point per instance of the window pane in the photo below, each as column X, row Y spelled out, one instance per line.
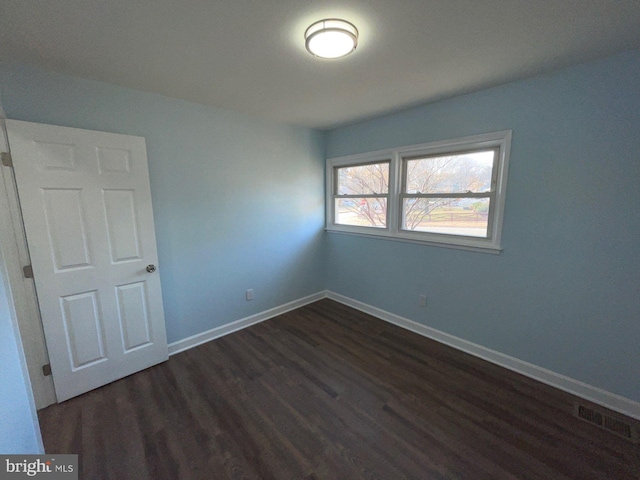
column 363, row 179
column 452, row 216
column 459, row 173
column 365, row 212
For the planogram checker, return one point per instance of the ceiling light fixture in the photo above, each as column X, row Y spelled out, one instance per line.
column 331, row 38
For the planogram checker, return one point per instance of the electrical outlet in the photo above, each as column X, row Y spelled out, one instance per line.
column 249, row 294
column 422, row 300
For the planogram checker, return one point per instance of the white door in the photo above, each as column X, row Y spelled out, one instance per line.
column 86, row 205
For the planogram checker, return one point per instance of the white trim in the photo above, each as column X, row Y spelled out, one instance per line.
column 217, row 332
column 8, row 259
column 392, row 231
column 21, row 357
column 23, row 290
column 492, row 251
column 587, row 392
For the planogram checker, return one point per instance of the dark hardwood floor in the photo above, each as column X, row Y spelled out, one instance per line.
column 327, row 392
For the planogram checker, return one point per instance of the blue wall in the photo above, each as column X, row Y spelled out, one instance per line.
column 565, row 292
column 238, row 201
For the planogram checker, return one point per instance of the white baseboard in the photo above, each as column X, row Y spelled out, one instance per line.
column 587, row 392
column 217, row 332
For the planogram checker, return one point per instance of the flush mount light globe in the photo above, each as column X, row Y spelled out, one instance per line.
column 331, row 38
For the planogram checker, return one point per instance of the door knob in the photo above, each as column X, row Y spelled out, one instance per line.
column 151, row 268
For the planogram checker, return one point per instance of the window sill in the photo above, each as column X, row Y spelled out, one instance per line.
column 462, row 244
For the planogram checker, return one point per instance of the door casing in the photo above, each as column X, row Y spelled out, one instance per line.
column 23, row 291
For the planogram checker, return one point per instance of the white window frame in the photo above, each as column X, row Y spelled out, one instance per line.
column 393, row 231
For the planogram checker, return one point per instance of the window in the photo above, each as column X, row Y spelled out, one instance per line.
column 448, row 193
column 362, row 195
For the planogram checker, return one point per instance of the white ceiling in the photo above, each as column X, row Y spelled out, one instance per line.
column 249, row 55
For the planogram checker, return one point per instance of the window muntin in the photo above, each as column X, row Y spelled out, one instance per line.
column 461, row 205
column 449, row 194
column 361, row 195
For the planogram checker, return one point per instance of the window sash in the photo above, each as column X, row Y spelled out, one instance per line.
column 449, row 230
column 458, row 153
column 336, row 178
column 491, row 194
column 382, row 195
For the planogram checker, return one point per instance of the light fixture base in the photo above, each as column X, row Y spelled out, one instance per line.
column 331, row 38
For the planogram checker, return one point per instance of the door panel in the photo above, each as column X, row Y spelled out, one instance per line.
column 87, row 211
column 83, row 328
column 133, row 313
column 66, row 228
column 121, row 225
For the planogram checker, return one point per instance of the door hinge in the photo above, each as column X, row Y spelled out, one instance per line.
column 27, row 271
column 46, row 369
column 7, row 161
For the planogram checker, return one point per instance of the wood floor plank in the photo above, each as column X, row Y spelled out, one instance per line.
column 328, row 392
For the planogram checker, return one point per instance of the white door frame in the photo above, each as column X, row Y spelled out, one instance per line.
column 23, row 291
